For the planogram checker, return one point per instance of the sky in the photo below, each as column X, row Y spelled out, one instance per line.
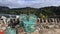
column 29, row 3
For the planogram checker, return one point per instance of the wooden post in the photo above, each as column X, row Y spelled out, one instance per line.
column 46, row 20
column 58, row 20
column 55, row 20
column 42, row 20
column 52, row 20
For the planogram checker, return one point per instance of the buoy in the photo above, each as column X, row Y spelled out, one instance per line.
column 2, row 32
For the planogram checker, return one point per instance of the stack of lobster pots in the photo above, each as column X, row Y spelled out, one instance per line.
column 13, row 27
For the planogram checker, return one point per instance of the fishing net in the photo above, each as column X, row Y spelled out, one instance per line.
column 10, row 31
column 29, row 22
column 23, row 17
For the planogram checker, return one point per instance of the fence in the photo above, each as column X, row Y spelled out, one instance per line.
column 49, row 20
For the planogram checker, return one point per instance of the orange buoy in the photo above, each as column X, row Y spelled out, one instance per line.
column 2, row 32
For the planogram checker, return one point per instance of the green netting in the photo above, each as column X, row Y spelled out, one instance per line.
column 29, row 22
column 32, row 18
column 23, row 17
column 10, row 31
column 30, row 26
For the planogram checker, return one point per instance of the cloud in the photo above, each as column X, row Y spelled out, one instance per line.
column 29, row 3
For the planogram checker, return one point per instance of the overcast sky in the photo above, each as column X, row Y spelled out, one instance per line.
column 29, row 3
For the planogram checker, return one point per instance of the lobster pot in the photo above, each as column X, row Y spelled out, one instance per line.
column 32, row 18
column 10, row 31
column 29, row 22
column 23, row 17
column 30, row 26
